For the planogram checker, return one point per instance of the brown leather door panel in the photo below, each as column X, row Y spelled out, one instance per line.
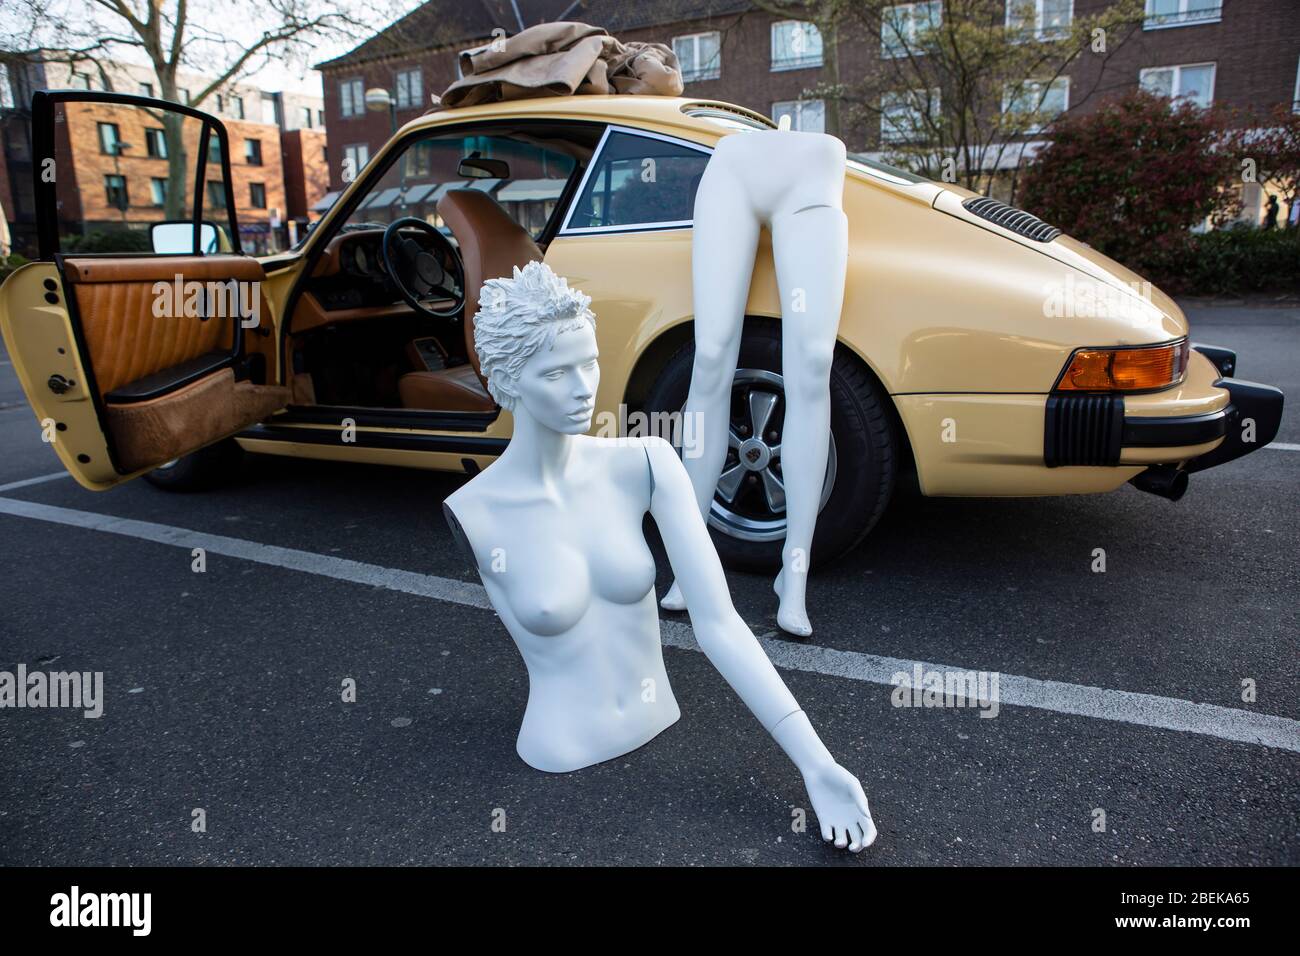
column 135, row 330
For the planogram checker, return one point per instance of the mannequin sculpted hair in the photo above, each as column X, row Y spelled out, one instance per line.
column 517, row 318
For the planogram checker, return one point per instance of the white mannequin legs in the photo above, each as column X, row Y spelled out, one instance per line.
column 793, row 183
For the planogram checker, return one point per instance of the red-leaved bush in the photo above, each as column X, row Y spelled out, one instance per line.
column 1132, row 178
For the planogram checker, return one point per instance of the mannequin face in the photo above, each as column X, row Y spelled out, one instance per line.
column 557, row 387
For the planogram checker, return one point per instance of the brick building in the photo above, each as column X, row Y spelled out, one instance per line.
column 1245, row 53
column 114, row 171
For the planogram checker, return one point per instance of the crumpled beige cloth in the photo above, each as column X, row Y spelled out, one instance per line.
column 562, row 59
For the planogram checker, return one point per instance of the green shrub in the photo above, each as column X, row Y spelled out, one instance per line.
column 9, row 264
column 108, row 240
column 1229, row 262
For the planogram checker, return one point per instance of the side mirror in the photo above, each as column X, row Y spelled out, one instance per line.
column 177, row 236
column 478, row 167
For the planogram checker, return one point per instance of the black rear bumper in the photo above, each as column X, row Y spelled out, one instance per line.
column 1093, row 429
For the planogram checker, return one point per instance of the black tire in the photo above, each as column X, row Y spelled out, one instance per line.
column 207, row 468
column 864, row 453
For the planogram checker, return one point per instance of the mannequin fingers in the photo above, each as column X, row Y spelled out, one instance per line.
column 855, row 838
column 868, row 829
column 841, row 837
column 827, row 834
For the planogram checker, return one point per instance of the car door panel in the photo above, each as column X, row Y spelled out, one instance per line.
column 132, row 360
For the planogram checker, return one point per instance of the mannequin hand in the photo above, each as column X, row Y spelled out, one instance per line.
column 841, row 808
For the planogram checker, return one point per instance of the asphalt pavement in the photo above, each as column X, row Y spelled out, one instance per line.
column 1123, row 736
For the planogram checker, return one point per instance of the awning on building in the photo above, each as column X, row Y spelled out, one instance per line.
column 418, row 193
column 446, row 188
column 324, row 202
column 531, row 190
column 385, row 197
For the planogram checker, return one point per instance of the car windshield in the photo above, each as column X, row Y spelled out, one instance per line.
column 875, row 167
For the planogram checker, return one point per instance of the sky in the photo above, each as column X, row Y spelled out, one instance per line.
column 220, row 29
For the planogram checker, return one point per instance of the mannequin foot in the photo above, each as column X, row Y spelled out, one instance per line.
column 673, row 600
column 792, row 615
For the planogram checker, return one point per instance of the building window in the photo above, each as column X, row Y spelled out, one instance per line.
column 796, row 45
column 257, row 195
column 699, row 55
column 908, row 116
column 305, row 118
column 903, row 25
column 410, row 89
column 1295, row 100
column 115, row 191
column 355, row 158
column 352, row 98
column 146, row 89
column 110, row 139
column 320, row 118
column 80, row 81
column 1037, row 101
column 214, row 149
column 158, row 191
column 237, row 107
column 1193, row 82
column 419, row 160
column 221, row 104
column 1044, row 19
column 1181, row 13
column 217, row 195
column 155, row 143
column 806, row 115
column 253, row 152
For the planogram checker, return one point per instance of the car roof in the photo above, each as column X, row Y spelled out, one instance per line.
column 669, row 111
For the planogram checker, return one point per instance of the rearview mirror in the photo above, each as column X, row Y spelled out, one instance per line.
column 177, row 236
column 478, row 167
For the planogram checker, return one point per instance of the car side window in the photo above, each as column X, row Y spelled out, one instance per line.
column 640, row 180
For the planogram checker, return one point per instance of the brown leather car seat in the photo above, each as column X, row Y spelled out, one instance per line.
column 491, row 245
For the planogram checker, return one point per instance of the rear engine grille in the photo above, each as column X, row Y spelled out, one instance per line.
column 1009, row 217
column 1083, row 430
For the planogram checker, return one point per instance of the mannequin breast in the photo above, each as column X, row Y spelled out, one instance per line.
column 573, row 582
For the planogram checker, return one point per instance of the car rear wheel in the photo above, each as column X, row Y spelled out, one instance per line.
column 747, row 516
column 205, row 468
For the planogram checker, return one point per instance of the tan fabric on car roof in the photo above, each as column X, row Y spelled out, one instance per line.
column 563, row 59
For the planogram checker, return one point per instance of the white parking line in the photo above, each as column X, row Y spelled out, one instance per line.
column 1146, row 710
column 34, row 481
column 1283, row 446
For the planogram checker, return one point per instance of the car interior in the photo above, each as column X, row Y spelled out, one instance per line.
column 381, row 321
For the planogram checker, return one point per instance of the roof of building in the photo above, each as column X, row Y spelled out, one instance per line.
column 448, row 23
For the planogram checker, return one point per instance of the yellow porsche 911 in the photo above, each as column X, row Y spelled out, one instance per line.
column 978, row 345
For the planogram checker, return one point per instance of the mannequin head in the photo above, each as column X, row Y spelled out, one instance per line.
column 536, row 342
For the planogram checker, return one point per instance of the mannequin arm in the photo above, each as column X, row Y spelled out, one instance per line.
column 721, row 632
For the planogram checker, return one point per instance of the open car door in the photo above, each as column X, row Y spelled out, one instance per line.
column 133, row 358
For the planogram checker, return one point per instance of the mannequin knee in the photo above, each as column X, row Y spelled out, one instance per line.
column 812, row 378
column 711, row 369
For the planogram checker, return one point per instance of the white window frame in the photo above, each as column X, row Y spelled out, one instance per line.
column 351, row 104
column 798, row 110
column 910, row 35
column 1038, row 33
column 354, row 151
column 1295, row 100
column 889, row 135
column 410, row 95
column 568, row 230
column 1178, row 74
column 807, row 62
column 237, row 106
column 1009, row 90
column 1180, row 18
column 699, row 72
column 158, row 194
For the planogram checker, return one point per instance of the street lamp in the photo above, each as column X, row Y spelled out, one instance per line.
column 379, row 99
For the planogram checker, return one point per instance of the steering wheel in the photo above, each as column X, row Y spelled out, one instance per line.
column 404, row 256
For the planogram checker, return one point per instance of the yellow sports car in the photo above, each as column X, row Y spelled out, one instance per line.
column 978, row 346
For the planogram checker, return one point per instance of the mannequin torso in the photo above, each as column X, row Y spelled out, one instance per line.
column 577, row 596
